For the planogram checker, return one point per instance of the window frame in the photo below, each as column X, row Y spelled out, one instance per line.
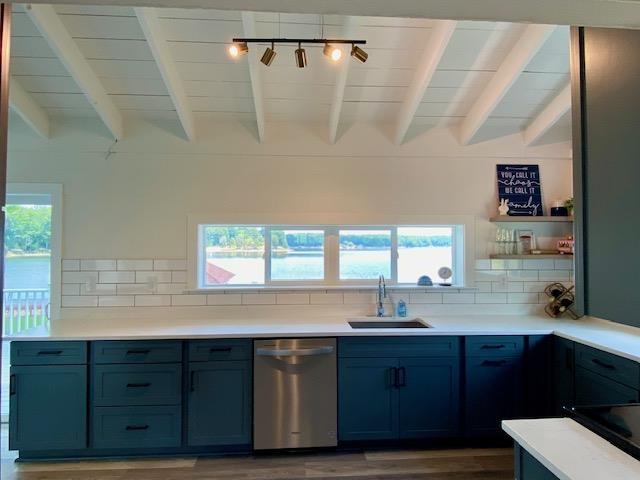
column 331, row 252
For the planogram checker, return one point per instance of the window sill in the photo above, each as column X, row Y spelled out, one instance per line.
column 364, row 287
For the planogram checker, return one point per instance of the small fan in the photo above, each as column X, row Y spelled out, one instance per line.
column 445, row 274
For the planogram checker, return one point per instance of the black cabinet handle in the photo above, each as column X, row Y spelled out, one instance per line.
column 602, row 364
column 12, row 385
column 50, row 352
column 138, row 351
column 192, row 381
column 138, row 385
column 137, row 427
column 394, row 377
column 402, row 377
column 493, row 363
column 568, row 358
column 220, row 350
column 493, row 347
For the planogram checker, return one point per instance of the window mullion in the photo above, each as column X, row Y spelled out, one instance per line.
column 331, row 256
column 394, row 254
column 267, row 255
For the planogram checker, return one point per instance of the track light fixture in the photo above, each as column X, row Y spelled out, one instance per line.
column 301, row 57
column 330, row 49
column 268, row 55
column 332, row 52
column 359, row 54
column 238, row 49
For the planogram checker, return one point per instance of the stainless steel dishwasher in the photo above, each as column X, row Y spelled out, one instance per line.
column 295, row 393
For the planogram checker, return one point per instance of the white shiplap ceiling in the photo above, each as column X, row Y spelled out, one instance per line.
column 115, row 47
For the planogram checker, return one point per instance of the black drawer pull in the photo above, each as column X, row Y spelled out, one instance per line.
column 602, row 364
column 402, row 377
column 50, row 352
column 12, row 385
column 493, row 347
column 394, row 376
column 220, row 350
column 137, row 427
column 192, row 381
column 138, row 352
column 138, row 385
column 493, row 363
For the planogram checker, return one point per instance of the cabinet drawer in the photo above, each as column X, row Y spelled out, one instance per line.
column 433, row 346
column 494, row 346
column 211, row 350
column 138, row 351
column 595, row 389
column 124, row 385
column 611, row 366
column 136, row 427
column 48, row 353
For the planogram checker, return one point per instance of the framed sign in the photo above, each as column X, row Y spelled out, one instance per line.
column 519, row 186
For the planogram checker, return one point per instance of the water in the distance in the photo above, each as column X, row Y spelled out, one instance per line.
column 26, row 272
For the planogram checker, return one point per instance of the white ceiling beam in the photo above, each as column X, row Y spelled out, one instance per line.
column 341, row 82
column 594, row 13
column 529, row 43
column 152, row 30
column 431, row 55
column 549, row 116
column 52, row 29
column 249, row 27
column 24, row 105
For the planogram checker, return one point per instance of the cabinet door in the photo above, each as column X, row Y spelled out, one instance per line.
column 219, row 406
column 367, row 399
column 48, row 407
column 494, row 393
column 563, row 374
column 594, row 389
column 538, row 395
column 429, row 390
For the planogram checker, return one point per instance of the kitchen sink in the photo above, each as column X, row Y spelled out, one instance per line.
column 415, row 323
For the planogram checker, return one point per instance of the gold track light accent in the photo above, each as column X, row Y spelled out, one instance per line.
column 301, row 57
column 238, row 49
column 359, row 54
column 332, row 52
column 268, row 55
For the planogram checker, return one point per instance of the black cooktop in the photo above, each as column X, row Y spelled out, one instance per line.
column 619, row 424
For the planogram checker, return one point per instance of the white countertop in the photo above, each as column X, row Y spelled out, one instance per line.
column 571, row 451
column 608, row 336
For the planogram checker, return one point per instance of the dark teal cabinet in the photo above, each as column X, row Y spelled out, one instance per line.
column 526, row 467
column 563, row 374
column 219, row 403
column 429, row 397
column 48, row 407
column 494, row 392
column 368, row 399
column 595, row 389
column 538, row 382
column 393, row 388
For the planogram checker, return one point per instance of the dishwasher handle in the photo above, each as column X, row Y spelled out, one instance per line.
column 294, row 352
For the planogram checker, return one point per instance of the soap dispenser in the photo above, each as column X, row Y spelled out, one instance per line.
column 402, row 309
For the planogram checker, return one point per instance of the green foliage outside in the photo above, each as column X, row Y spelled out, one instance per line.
column 252, row 238
column 28, row 229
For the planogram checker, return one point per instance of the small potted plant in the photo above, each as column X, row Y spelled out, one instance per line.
column 569, row 204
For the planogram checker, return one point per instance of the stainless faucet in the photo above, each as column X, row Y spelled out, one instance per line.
column 382, row 294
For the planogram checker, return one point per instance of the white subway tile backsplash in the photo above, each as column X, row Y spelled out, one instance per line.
column 170, row 288
column 135, row 264
column 160, row 276
column 490, row 275
column 555, row 275
column 152, row 300
column 483, row 287
column 491, row 298
column 522, row 298
column 70, row 265
column 87, row 265
column 224, row 299
column 537, row 264
column 563, row 264
column 179, row 276
column 258, row 298
column 359, row 298
column 526, row 275
column 169, row 264
column 534, row 287
column 483, row 264
column 115, row 301
column 133, row 289
column 186, row 300
column 327, row 298
column 79, row 277
column 292, row 299
column 458, row 298
column 97, row 289
column 79, row 301
column 425, row 298
column 502, row 287
column 499, row 264
column 117, row 277
column 70, row 289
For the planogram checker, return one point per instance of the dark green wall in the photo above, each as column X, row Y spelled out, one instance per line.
column 607, row 162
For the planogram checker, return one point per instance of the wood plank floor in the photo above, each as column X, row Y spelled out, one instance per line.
column 458, row 464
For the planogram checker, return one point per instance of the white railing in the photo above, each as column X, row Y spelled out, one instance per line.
column 24, row 309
